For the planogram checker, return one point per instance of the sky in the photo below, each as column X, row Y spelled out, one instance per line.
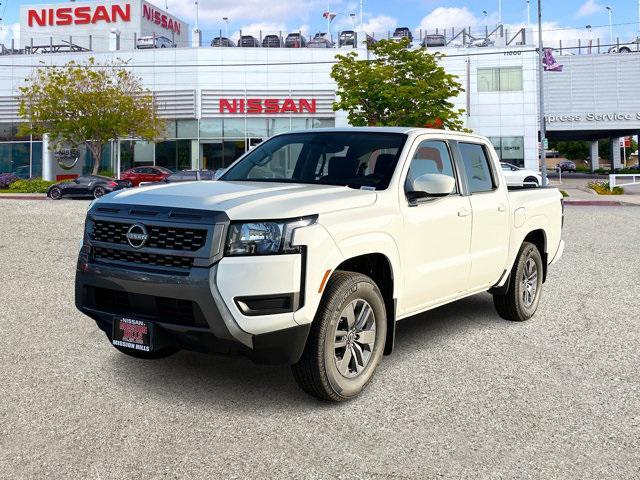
column 562, row 19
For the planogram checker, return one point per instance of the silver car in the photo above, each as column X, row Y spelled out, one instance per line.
column 157, row 41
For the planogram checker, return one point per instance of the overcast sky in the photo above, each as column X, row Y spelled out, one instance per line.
column 564, row 19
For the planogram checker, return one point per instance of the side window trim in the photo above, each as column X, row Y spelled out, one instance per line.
column 457, row 171
column 494, row 178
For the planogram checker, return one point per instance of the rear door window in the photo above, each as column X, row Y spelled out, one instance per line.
column 477, row 167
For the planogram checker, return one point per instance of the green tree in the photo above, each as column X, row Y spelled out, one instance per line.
column 90, row 104
column 572, row 149
column 399, row 86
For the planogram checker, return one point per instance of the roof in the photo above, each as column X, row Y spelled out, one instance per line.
column 405, row 130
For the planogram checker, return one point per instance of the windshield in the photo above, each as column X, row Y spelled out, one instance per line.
column 354, row 159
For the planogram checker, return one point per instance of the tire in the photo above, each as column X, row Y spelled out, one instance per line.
column 338, row 367
column 98, row 192
column 625, row 50
column 154, row 355
column 523, row 296
column 55, row 193
column 530, row 180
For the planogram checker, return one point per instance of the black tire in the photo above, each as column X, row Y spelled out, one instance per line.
column 99, row 192
column 317, row 372
column 55, row 193
column 154, row 355
column 531, row 180
column 515, row 305
column 625, row 50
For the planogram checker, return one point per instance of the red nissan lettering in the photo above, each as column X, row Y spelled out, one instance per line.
column 254, row 105
column 83, row 15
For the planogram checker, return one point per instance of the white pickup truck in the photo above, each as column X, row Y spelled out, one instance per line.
column 312, row 246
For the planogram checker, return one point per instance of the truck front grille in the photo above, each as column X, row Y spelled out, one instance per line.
column 163, row 309
column 142, row 258
column 169, row 238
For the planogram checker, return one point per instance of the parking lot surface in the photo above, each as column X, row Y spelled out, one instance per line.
column 465, row 394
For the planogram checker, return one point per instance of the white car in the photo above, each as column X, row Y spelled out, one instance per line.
column 520, row 177
column 312, row 246
column 157, row 41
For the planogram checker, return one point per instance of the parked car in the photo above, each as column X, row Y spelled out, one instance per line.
column 276, row 263
column 188, row 176
column 222, row 42
column 482, row 42
column 272, row 41
column 402, row 32
column 567, row 166
column 520, row 177
column 86, row 186
column 348, row 38
column 320, row 41
column 435, row 40
column 295, row 40
column 248, row 41
column 632, row 46
column 149, row 41
column 138, row 175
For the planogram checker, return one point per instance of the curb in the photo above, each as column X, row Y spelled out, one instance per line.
column 600, row 203
column 22, row 197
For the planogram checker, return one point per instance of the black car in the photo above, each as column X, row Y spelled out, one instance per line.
column 567, row 166
column 248, row 41
column 402, row 32
column 188, row 176
column 222, row 42
column 295, row 40
column 272, row 41
column 84, row 187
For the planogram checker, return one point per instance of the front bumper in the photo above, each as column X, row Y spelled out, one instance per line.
column 185, row 310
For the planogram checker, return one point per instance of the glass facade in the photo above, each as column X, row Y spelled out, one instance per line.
column 509, row 149
column 502, row 79
column 210, row 143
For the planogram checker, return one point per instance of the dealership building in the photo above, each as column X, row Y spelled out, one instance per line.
column 221, row 101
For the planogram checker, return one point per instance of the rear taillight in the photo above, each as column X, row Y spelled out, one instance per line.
column 112, row 184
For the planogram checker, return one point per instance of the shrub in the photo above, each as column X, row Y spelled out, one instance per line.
column 107, row 173
column 564, row 194
column 33, row 185
column 7, row 179
column 602, row 188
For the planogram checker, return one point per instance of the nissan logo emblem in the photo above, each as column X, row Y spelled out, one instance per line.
column 137, row 235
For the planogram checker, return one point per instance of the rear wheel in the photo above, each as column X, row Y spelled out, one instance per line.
column 55, row 193
column 531, row 181
column 346, row 340
column 525, row 286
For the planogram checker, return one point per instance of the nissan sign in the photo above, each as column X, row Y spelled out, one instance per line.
column 269, row 106
column 82, row 15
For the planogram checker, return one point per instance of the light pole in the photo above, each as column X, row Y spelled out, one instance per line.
column 499, row 12
column 529, row 13
column 226, row 26
column 543, row 121
column 610, row 10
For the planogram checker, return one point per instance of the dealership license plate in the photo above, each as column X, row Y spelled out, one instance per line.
column 132, row 334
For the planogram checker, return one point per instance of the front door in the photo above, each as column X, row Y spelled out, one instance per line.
column 437, row 234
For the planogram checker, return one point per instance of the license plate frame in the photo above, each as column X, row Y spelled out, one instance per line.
column 133, row 334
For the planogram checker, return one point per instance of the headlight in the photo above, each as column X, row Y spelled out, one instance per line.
column 263, row 238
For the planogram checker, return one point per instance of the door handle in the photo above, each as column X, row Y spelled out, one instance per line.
column 464, row 212
column 502, row 208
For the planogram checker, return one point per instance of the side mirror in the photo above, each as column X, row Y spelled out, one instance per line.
column 432, row 185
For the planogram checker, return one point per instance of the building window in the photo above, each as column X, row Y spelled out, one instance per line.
column 509, row 149
column 502, row 79
column 15, row 158
column 174, row 154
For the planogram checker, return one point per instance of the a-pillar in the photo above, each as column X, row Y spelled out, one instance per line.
column 595, row 162
column 47, row 159
column 616, row 158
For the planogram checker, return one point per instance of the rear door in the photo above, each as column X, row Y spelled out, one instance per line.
column 436, row 232
column 490, row 206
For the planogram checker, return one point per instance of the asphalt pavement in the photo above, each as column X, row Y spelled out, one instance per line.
column 465, row 394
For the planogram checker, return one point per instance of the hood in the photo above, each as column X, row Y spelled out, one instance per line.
column 247, row 200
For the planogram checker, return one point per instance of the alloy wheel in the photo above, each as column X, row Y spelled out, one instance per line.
column 354, row 338
column 529, row 282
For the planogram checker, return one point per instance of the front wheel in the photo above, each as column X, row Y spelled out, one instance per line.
column 525, row 286
column 346, row 341
column 531, row 181
column 55, row 193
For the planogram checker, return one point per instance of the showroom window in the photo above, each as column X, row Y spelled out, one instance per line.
column 509, row 149
column 502, row 79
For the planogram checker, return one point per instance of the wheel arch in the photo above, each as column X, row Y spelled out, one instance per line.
column 539, row 238
column 379, row 268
